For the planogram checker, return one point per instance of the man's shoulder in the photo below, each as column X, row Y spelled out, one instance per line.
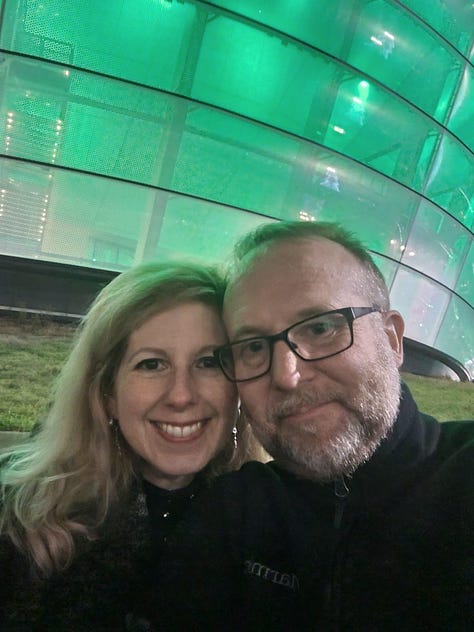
column 455, row 452
column 457, row 434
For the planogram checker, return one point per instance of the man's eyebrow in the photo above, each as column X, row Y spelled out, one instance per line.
column 308, row 312
column 208, row 349
column 247, row 332
column 250, row 331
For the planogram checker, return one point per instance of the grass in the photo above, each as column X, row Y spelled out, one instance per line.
column 442, row 398
column 32, row 352
column 27, row 371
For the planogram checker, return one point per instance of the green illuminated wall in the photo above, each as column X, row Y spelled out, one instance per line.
column 141, row 129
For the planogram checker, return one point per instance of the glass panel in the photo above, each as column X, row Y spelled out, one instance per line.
column 74, row 119
column 378, row 210
column 72, row 218
column 236, row 162
column 454, row 20
column 378, row 130
column 55, row 215
column 422, row 304
column 24, row 195
column 456, row 335
column 377, row 37
column 465, row 284
column 437, row 245
column 77, row 33
column 306, row 121
column 451, row 182
column 462, row 118
column 261, row 82
column 398, row 50
column 339, row 108
column 299, row 19
column 387, row 268
column 202, row 230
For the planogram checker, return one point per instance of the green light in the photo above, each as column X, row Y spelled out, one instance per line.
column 363, row 90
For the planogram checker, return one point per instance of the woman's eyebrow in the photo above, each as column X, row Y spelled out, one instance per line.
column 152, row 350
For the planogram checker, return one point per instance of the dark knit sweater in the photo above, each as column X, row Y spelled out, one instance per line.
column 390, row 548
column 102, row 589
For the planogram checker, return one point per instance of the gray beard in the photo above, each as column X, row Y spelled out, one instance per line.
column 372, row 413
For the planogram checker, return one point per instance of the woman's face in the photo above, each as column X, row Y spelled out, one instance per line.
column 174, row 406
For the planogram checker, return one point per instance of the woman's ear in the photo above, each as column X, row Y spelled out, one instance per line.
column 394, row 327
column 111, row 406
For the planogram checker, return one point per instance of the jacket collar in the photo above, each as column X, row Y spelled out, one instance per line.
column 411, row 441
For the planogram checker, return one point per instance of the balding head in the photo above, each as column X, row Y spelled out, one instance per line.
column 268, row 236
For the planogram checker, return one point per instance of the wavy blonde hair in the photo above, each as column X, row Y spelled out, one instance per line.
column 65, row 481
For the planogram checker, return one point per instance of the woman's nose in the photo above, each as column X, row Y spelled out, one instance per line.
column 181, row 389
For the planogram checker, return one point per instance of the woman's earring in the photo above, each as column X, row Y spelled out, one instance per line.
column 114, row 427
column 234, row 434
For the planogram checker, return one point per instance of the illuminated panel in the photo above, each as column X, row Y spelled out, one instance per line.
column 247, row 69
column 381, row 39
column 94, row 221
column 204, row 119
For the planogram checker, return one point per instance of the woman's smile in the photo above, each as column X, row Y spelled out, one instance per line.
column 180, row 432
column 174, row 406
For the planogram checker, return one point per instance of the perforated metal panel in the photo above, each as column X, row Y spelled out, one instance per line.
column 161, row 129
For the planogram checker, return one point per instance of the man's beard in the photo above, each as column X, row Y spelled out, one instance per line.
column 371, row 413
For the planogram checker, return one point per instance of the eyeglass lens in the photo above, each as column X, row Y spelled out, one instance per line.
column 312, row 339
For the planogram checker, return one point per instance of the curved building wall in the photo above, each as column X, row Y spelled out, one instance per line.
column 143, row 129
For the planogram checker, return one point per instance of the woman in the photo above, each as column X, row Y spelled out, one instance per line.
column 140, row 406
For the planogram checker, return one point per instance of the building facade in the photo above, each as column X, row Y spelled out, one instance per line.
column 133, row 130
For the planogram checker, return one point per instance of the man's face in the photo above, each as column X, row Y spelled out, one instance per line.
column 319, row 418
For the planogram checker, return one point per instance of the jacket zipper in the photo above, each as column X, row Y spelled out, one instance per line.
column 341, row 493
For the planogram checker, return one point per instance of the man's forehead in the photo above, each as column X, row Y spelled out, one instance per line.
column 292, row 276
column 301, row 257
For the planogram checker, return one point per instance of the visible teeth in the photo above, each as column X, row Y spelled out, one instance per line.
column 180, row 431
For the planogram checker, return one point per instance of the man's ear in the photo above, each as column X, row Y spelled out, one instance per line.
column 394, row 327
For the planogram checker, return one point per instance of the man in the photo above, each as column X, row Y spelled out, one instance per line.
column 365, row 520
column 323, row 414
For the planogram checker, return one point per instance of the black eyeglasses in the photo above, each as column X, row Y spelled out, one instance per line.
column 313, row 338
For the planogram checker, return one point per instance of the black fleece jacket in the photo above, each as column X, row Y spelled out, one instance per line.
column 391, row 548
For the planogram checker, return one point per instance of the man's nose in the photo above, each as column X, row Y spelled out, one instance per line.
column 181, row 390
column 285, row 369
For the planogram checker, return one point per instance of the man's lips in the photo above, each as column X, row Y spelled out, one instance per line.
column 178, row 432
column 306, row 412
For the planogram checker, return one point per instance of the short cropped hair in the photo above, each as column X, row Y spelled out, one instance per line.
column 266, row 235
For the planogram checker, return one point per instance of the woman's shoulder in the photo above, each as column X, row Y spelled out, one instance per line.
column 95, row 589
column 20, row 591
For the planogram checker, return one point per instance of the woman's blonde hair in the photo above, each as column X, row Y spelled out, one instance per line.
column 69, row 476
